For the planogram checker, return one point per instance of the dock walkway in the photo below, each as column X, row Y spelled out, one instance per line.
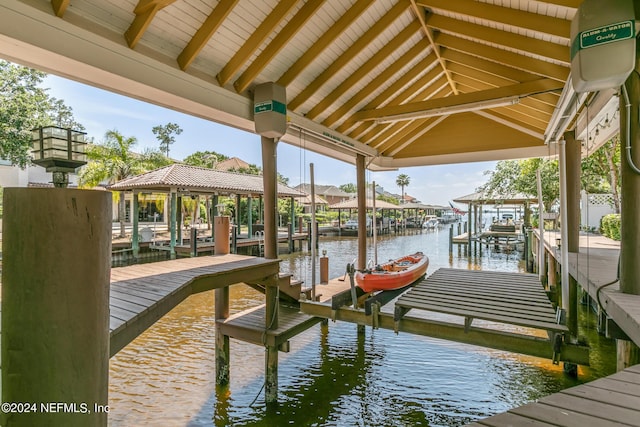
column 593, row 267
column 143, row 293
column 606, row 402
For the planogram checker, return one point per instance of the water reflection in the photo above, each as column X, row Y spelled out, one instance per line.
column 335, row 376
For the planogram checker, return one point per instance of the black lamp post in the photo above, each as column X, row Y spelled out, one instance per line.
column 60, row 151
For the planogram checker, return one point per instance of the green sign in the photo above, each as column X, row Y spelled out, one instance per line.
column 266, row 106
column 607, row 34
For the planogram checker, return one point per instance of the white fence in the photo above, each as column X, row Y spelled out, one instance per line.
column 593, row 207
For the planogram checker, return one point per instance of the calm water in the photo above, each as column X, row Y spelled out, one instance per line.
column 333, row 377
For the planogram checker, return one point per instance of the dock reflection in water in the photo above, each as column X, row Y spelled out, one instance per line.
column 166, row 377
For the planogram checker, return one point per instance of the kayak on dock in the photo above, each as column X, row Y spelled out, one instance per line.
column 394, row 274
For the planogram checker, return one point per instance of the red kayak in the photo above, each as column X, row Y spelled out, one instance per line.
column 394, row 274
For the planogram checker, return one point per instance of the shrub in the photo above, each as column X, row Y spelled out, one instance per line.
column 610, row 226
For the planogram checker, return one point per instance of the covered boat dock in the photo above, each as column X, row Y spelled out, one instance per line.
column 382, row 85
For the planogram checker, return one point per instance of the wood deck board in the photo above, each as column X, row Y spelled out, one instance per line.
column 534, row 300
column 488, row 305
column 592, row 408
column 488, row 289
column 494, row 296
column 566, row 418
column 609, row 383
column 488, row 315
column 510, row 420
column 141, row 294
column 495, row 281
column 542, row 306
column 596, row 404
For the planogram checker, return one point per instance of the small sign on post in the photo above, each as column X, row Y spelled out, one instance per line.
column 270, row 110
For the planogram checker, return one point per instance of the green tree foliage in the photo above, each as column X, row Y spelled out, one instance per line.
column 610, row 226
column 348, row 188
column 257, row 170
column 205, row 159
column 511, row 177
column 600, row 174
column 402, row 181
column 25, row 105
column 389, row 199
column 112, row 161
column 601, row 171
column 166, row 135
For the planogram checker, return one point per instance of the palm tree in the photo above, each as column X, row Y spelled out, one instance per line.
column 402, row 181
column 112, row 161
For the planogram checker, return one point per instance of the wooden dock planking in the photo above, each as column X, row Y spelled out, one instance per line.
column 606, row 402
column 141, row 294
column 250, row 325
column 513, row 298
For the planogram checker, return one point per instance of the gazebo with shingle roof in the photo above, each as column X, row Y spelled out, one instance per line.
column 184, row 180
column 197, row 180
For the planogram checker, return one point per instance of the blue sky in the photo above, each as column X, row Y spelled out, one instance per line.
column 99, row 111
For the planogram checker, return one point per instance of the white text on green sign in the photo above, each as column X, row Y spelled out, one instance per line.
column 607, row 34
column 266, row 106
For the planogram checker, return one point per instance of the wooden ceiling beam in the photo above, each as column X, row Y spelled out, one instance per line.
column 252, row 44
column 365, row 69
column 488, row 78
column 491, row 72
column 380, row 135
column 324, row 41
column 378, row 81
column 565, row 3
column 517, row 117
column 352, row 51
column 501, row 56
column 59, row 7
column 278, row 43
column 523, row 107
column 499, row 70
column 515, row 90
column 503, row 38
column 420, row 89
column 469, row 133
column 391, row 91
column 486, row 81
column 504, row 15
column 419, row 13
column 401, row 133
column 205, row 32
column 145, row 12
